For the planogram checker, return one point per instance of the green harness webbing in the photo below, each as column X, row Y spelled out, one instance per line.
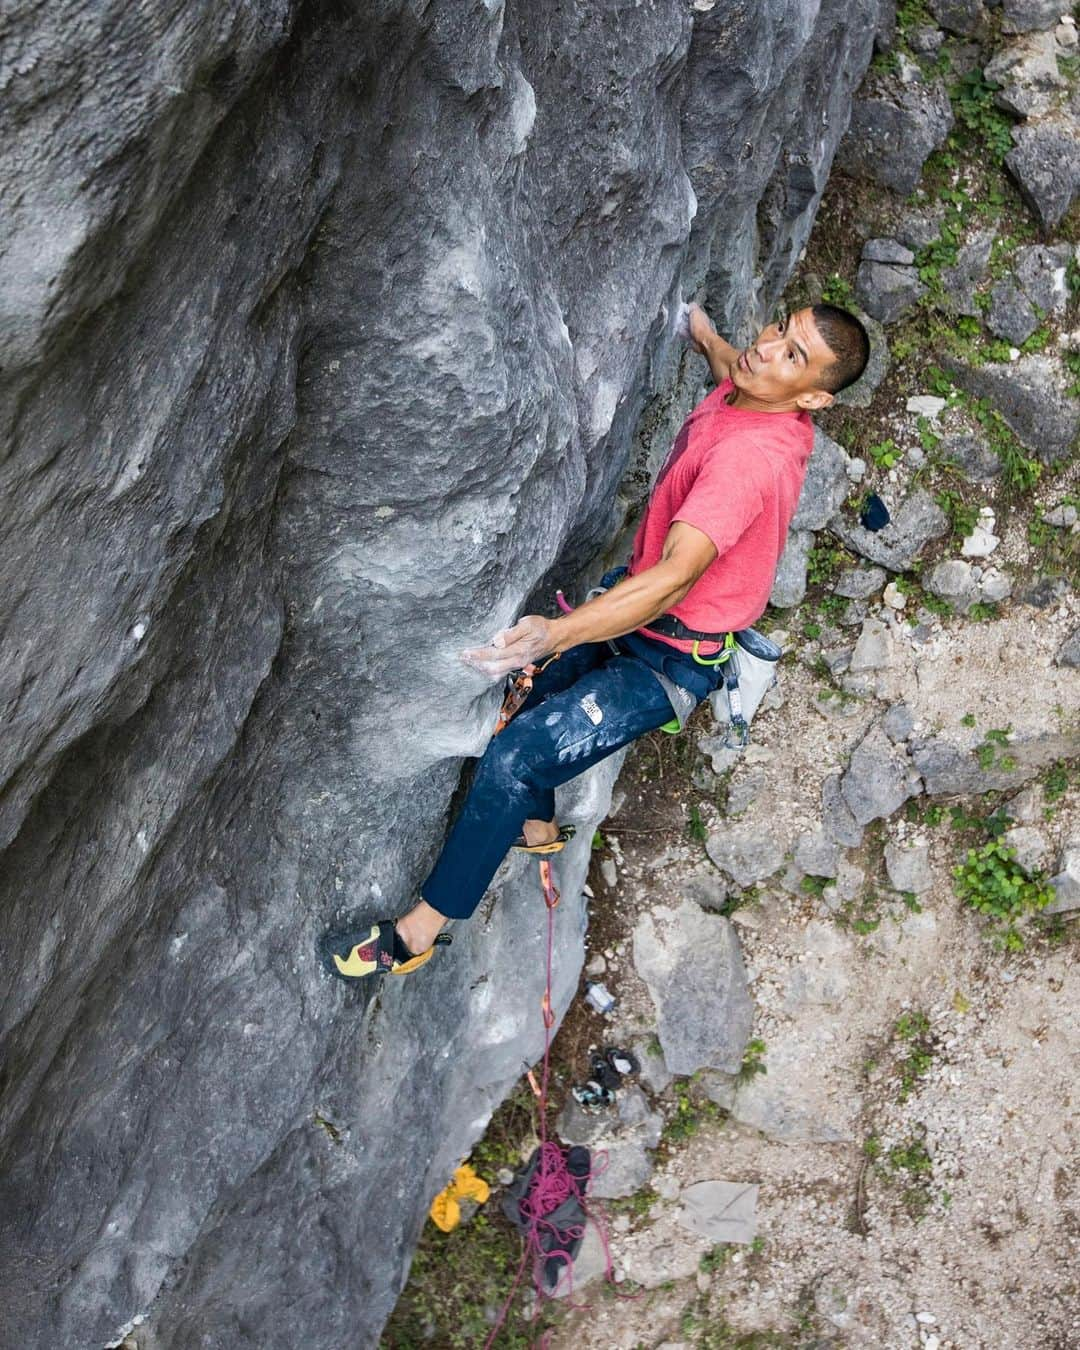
column 673, row 728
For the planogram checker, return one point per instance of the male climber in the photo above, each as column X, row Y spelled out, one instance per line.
column 703, row 563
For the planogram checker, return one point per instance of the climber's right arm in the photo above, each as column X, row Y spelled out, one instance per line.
column 704, row 338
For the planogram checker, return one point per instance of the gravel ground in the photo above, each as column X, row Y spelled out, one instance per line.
column 942, row 1209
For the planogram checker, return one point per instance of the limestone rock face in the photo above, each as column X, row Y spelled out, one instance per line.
column 324, row 334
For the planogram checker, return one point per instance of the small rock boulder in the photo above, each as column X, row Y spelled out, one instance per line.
column 1045, row 162
column 1026, row 16
column 1032, row 396
column 789, row 584
column 825, row 485
column 722, row 1211
column 916, row 521
column 908, row 867
column 692, row 965
column 1027, row 70
column 891, row 134
column 879, row 778
column 1066, row 884
column 1068, row 654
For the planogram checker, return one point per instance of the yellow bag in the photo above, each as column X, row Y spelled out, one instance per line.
column 466, row 1185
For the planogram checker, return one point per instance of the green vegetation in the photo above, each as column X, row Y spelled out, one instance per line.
column 978, row 119
column 911, row 1165
column 637, row 1205
column 913, row 1029
column 752, row 1060
column 706, row 1330
column 456, row 1279
column 714, row 1260
column 698, row 831
column 823, row 563
column 961, row 511
column 989, row 754
column 1055, row 782
column 692, row 1110
column 885, row 454
column 991, row 881
column 837, row 290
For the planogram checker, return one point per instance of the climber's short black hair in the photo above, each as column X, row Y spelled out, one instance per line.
column 848, row 341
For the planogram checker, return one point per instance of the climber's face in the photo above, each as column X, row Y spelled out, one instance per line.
column 785, row 363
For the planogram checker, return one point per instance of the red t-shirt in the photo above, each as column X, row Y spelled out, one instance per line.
column 736, row 475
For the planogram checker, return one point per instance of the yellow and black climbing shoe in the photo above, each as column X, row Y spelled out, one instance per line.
column 566, row 833
column 354, row 954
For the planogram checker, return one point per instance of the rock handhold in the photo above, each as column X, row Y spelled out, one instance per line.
column 1032, row 396
column 692, row 964
column 879, row 778
column 722, row 1211
column 916, row 521
column 891, row 135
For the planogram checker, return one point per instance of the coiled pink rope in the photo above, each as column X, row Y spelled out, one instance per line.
column 552, row 1182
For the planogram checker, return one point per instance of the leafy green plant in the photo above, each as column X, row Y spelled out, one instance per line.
column 692, row 1110
column 837, row 290
column 823, row 563
column 913, row 1029
column 992, row 882
column 696, row 826
column 985, row 123
column 752, row 1060
column 1055, row 781
column 963, row 514
column 885, row 454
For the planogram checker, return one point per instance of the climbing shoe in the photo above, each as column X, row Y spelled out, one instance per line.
column 566, row 833
column 354, row 954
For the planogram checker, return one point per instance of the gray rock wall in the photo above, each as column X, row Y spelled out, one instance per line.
column 327, row 335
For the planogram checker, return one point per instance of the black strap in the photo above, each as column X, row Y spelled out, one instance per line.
column 670, row 626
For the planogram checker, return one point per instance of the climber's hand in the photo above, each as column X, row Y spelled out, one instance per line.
column 701, row 329
column 511, row 648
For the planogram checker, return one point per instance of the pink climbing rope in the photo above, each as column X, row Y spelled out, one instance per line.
column 552, row 1181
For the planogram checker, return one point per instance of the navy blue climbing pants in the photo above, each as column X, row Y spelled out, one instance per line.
column 582, row 708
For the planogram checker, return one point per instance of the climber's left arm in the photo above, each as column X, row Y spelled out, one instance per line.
column 631, row 604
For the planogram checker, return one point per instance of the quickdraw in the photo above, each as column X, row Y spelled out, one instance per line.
column 519, row 691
